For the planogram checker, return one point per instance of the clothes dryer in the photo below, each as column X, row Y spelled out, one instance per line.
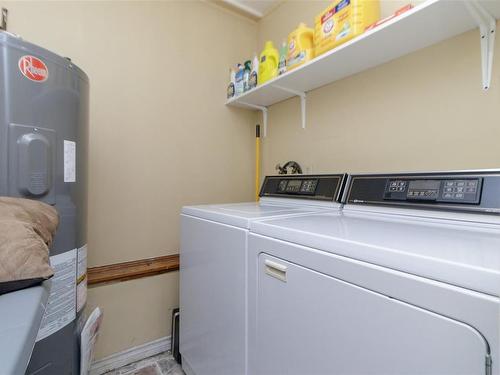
column 213, row 267
column 406, row 280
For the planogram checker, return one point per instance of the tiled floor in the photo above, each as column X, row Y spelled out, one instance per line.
column 161, row 364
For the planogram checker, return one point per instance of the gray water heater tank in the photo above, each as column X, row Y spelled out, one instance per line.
column 43, row 156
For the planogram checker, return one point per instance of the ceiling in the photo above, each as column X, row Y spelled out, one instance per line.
column 254, row 8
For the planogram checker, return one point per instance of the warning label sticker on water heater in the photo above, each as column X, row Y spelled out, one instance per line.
column 69, row 161
column 61, row 306
column 81, row 278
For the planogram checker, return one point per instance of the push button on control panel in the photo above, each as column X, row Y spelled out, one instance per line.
column 461, row 191
column 309, row 186
column 397, row 186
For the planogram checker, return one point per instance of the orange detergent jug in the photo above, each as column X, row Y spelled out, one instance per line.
column 300, row 46
column 268, row 65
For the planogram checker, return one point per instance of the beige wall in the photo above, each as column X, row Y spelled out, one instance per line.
column 160, row 135
column 425, row 111
column 135, row 311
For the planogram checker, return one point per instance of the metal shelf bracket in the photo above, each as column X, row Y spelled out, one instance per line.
column 3, row 22
column 302, row 96
column 487, row 29
column 264, row 115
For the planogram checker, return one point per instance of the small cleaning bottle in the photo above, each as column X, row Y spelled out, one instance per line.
column 283, row 54
column 246, row 75
column 238, row 86
column 255, row 72
column 230, row 87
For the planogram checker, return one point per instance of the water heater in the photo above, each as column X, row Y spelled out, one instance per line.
column 43, row 156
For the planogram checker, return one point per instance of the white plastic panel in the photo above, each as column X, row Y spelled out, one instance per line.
column 213, row 297
column 32, row 162
column 316, row 324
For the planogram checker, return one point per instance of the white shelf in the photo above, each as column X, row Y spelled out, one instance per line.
column 426, row 24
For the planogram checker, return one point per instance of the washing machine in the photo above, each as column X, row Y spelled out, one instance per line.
column 405, row 280
column 213, row 267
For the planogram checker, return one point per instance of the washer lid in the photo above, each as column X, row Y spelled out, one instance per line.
column 457, row 253
column 281, row 195
column 241, row 214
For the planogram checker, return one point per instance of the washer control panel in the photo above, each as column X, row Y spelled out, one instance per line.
column 437, row 190
column 318, row 187
column 298, row 186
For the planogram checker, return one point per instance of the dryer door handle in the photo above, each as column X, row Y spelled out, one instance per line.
column 275, row 270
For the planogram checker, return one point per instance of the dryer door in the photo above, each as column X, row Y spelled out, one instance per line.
column 312, row 323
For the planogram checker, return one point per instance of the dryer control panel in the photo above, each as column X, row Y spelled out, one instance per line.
column 316, row 187
column 435, row 190
column 458, row 191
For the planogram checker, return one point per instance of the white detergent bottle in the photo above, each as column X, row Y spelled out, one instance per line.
column 232, row 81
column 283, row 59
column 238, row 85
column 255, row 71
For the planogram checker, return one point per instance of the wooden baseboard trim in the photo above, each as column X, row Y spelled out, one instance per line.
column 133, row 270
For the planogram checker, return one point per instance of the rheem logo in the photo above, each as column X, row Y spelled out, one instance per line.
column 33, row 68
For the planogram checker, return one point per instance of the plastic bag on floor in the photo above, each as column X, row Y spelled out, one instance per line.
column 89, row 335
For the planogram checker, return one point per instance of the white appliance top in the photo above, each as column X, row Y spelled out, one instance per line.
column 21, row 313
column 282, row 195
column 241, row 214
column 464, row 254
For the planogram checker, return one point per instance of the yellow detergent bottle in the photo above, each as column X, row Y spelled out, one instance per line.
column 300, row 46
column 342, row 21
column 268, row 65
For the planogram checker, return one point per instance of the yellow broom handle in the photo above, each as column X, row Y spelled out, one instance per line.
column 257, row 162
